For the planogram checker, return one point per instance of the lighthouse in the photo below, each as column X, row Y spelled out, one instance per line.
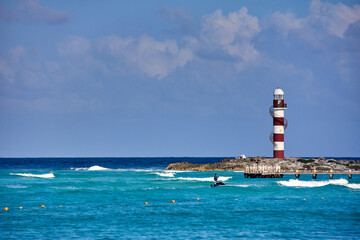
column 279, row 123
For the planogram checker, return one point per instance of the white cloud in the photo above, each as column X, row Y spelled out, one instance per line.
column 323, row 19
column 334, row 18
column 74, row 46
column 6, row 73
column 232, row 34
column 32, row 11
column 154, row 58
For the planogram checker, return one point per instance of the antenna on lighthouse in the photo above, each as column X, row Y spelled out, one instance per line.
column 279, row 123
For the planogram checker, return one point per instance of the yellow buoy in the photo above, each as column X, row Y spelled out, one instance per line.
column 172, row 201
column 236, row 199
column 198, row 199
column 322, row 197
column 20, row 207
column 304, row 199
column 42, row 206
column 6, row 208
column 146, row 203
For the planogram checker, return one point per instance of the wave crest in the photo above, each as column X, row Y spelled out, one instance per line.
column 299, row 183
column 46, row 175
column 208, row 179
column 165, row 174
column 353, row 185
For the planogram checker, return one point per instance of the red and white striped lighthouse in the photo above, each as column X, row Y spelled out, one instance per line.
column 279, row 123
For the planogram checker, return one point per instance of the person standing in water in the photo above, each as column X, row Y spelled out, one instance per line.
column 216, row 178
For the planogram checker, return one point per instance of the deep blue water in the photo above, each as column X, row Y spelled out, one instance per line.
column 103, row 198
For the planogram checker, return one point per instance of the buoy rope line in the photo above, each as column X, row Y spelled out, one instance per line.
column 148, row 203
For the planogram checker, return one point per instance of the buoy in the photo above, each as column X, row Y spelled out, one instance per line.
column 117, row 174
column 146, row 203
column 60, row 206
column 198, row 199
column 42, row 206
column 322, row 197
column 122, row 204
column 20, row 207
column 304, row 199
column 236, row 199
column 6, row 208
column 287, row 199
column 172, row 201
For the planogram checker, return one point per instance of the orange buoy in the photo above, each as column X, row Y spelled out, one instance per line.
column 42, row 206
column 6, row 209
column 146, row 203
column 172, row 201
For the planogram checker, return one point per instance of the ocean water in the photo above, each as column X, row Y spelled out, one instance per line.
column 104, row 198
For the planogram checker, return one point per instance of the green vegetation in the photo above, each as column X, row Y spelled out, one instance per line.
column 355, row 167
column 302, row 160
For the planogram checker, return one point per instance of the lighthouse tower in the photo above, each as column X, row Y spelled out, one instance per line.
column 279, row 123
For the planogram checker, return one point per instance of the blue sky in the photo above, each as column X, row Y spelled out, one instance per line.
column 177, row 78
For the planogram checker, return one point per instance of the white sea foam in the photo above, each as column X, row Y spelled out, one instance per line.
column 79, row 169
column 165, row 174
column 17, row 186
column 353, row 185
column 92, row 168
column 98, row 168
column 46, row 175
column 208, row 179
column 299, row 183
column 239, row 185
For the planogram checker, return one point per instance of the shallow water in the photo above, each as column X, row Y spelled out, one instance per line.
column 109, row 203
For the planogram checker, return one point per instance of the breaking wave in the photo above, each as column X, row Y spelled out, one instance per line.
column 93, row 168
column 299, row 183
column 165, row 174
column 46, row 175
column 208, row 179
column 17, row 186
column 239, row 185
column 353, row 185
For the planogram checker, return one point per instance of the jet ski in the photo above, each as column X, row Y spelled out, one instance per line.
column 217, row 184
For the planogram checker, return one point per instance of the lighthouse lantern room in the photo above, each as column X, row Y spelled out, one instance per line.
column 279, row 123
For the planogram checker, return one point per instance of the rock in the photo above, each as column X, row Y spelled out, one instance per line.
column 286, row 164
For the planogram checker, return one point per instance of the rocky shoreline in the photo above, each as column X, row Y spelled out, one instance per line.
column 286, row 164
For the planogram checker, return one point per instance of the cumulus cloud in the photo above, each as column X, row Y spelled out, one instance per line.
column 231, row 34
column 74, row 46
column 323, row 19
column 154, row 58
column 177, row 21
column 32, row 11
column 6, row 73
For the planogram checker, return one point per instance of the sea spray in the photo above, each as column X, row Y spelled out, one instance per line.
column 47, row 175
column 310, row 184
column 207, row 179
column 165, row 174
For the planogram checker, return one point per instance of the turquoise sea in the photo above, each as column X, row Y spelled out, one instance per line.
column 104, row 198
